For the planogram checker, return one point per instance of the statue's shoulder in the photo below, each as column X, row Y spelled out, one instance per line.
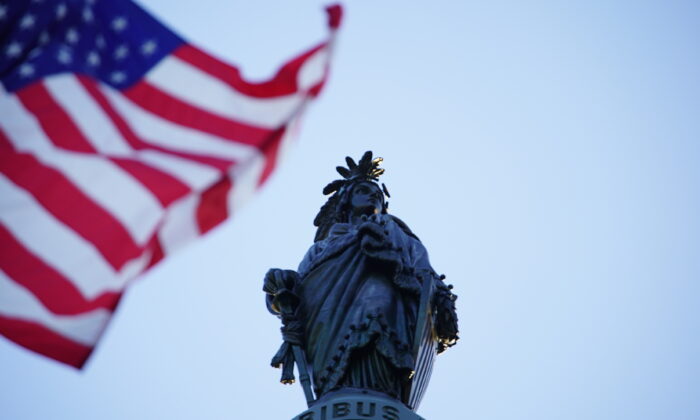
column 340, row 236
column 403, row 226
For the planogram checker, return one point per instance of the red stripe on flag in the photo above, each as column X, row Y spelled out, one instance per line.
column 53, row 119
column 315, row 90
column 182, row 113
column 61, row 198
column 289, row 72
column 158, row 253
column 335, row 15
column 5, row 144
column 42, row 340
column 222, row 164
column 283, row 83
column 270, row 151
column 213, row 205
column 59, row 127
column 138, row 143
column 165, row 187
column 54, row 291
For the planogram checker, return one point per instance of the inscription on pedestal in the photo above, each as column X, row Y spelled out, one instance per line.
column 354, row 407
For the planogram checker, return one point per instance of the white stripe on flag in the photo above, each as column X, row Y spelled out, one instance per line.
column 246, row 177
column 59, row 246
column 209, row 93
column 313, row 70
column 106, row 184
column 195, row 175
column 180, row 225
column 100, row 130
column 158, row 131
column 19, row 303
column 92, row 121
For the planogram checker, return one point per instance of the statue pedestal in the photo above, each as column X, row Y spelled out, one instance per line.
column 357, row 405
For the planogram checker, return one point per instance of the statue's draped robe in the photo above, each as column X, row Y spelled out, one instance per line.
column 358, row 307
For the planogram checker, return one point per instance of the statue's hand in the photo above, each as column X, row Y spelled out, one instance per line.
column 373, row 234
column 278, row 279
column 279, row 285
column 376, row 243
column 446, row 318
column 373, row 230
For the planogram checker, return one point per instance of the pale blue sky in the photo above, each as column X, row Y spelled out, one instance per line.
column 547, row 153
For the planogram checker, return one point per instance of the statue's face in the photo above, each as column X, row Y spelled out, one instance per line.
column 366, row 198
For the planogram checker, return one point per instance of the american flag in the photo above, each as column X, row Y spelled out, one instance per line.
column 119, row 143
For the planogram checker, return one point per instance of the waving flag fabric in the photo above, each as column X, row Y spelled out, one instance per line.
column 119, row 143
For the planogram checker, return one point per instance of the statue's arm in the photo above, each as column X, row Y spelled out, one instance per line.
column 446, row 322
column 280, row 296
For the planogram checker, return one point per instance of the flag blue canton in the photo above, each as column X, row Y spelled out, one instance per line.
column 113, row 41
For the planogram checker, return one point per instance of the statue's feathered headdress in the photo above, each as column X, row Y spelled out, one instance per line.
column 367, row 169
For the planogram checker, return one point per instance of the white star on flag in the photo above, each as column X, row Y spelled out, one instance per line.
column 14, row 49
column 117, row 77
column 26, row 70
column 87, row 15
column 149, row 47
column 93, row 59
column 72, row 36
column 27, row 22
column 3, row 12
column 119, row 24
column 121, row 52
column 64, row 56
column 61, row 11
column 35, row 52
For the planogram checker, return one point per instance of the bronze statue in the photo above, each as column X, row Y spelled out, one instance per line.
column 365, row 311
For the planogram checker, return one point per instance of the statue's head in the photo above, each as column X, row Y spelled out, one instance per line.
column 357, row 193
column 361, row 198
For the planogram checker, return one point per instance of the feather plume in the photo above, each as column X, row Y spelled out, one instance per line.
column 344, row 172
column 333, row 186
column 351, row 163
column 365, row 163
